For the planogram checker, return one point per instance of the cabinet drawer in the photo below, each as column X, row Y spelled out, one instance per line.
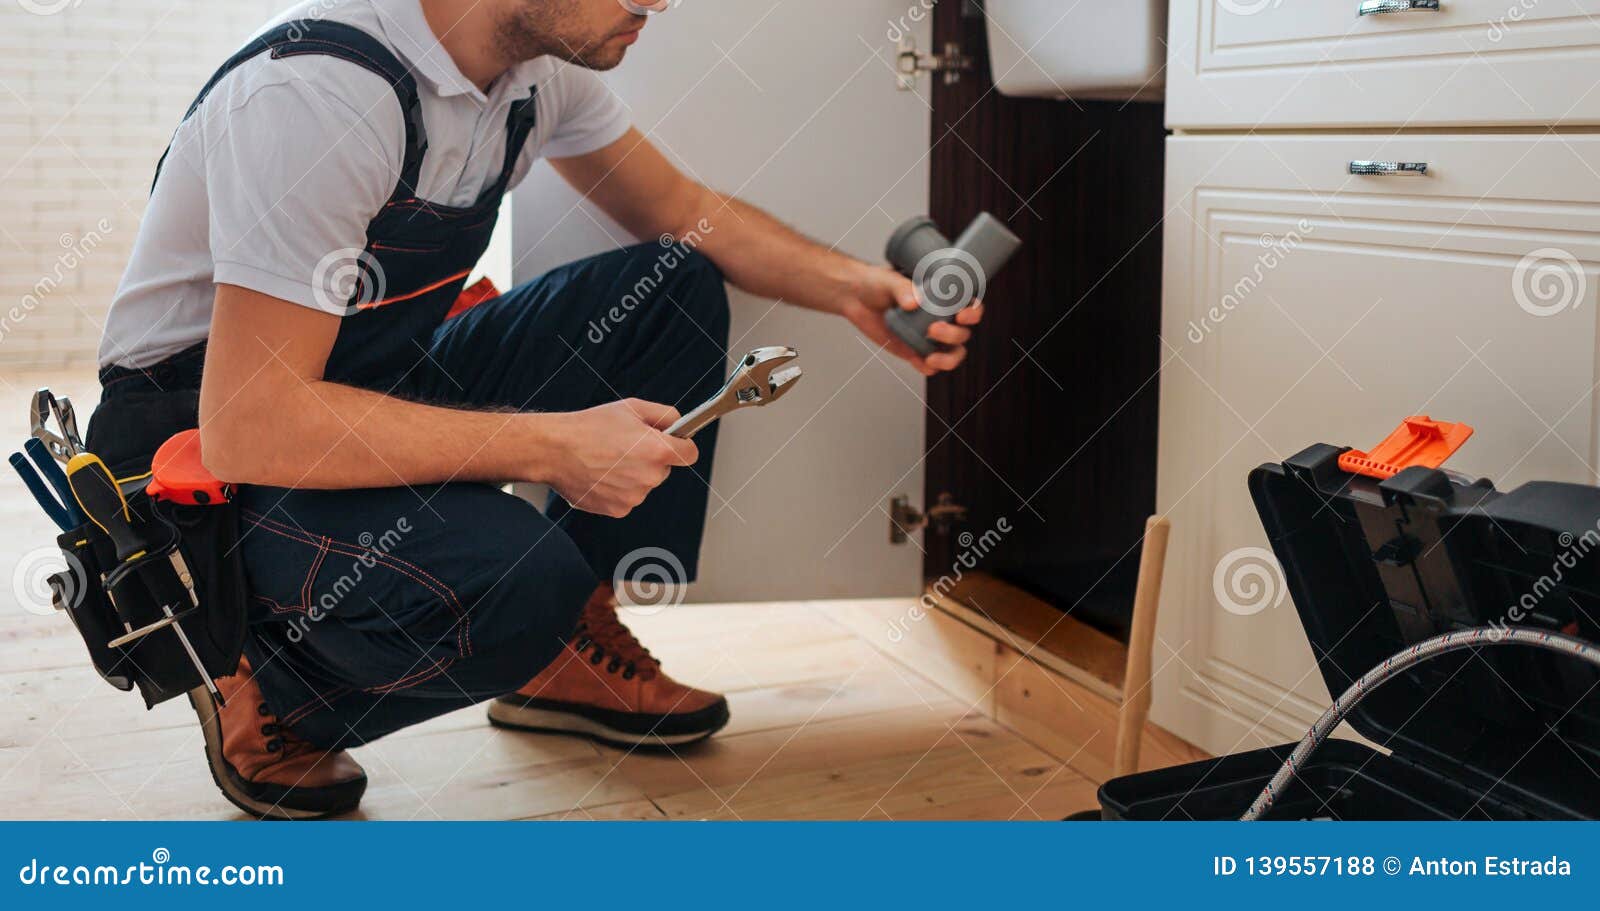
column 1287, row 64
column 1303, row 305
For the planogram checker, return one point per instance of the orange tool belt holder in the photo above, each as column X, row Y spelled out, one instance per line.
column 177, row 474
column 1419, row 440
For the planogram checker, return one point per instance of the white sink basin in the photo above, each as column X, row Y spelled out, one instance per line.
column 1093, row 49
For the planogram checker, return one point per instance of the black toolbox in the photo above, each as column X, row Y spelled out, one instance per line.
column 1501, row 733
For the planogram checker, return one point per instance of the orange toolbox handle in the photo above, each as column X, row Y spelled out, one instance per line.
column 1419, row 440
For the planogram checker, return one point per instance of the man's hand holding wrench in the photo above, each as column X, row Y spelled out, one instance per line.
column 761, row 378
column 610, row 467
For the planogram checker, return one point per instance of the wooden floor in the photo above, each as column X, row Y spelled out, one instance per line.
column 825, row 726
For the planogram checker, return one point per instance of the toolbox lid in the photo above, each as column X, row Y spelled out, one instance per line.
column 1376, row 565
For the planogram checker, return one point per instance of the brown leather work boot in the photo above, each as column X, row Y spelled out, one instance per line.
column 607, row 686
column 263, row 768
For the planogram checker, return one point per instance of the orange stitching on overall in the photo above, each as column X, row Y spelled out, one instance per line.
column 326, row 699
column 400, row 298
column 278, row 608
column 396, row 564
column 388, row 561
column 413, row 679
column 311, row 577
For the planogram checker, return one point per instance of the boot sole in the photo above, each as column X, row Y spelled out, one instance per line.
column 265, row 801
column 503, row 714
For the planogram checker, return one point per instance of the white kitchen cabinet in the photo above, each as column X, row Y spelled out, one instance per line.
column 1319, row 64
column 1306, row 305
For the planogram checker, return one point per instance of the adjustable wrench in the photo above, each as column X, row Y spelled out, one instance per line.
column 763, row 376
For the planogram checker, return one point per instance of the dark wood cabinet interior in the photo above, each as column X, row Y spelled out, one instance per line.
column 1051, row 426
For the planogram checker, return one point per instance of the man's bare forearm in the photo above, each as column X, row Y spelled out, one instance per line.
column 316, row 434
column 767, row 258
column 632, row 182
column 268, row 417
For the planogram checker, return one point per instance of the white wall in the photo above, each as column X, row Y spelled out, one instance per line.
column 90, row 91
column 792, row 106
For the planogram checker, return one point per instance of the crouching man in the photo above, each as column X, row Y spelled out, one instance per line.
column 293, row 293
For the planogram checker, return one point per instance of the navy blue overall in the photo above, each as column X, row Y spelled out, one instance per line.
column 376, row 609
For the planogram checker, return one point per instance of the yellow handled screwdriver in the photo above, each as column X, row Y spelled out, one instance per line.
column 95, row 488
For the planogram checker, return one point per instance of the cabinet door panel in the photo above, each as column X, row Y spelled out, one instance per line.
column 1306, row 306
column 1472, row 62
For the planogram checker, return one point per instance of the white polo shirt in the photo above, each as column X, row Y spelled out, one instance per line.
column 289, row 160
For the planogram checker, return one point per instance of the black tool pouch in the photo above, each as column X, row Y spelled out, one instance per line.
column 120, row 609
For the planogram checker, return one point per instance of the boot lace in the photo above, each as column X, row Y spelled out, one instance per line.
column 601, row 633
column 279, row 739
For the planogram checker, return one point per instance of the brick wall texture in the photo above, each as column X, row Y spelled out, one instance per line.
column 90, row 91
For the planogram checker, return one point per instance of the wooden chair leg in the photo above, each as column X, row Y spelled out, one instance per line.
column 1141, row 643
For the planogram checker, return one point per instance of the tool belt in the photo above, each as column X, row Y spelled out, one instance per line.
column 129, row 611
column 157, row 589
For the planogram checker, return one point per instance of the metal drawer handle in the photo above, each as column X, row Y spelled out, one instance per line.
column 1390, row 168
column 1379, row 7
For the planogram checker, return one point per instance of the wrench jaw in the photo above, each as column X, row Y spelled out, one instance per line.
column 782, row 381
column 763, row 377
column 760, row 377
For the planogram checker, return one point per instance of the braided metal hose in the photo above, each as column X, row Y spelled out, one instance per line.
column 1416, row 654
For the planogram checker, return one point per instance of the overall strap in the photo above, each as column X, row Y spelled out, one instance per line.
column 520, row 122
column 346, row 42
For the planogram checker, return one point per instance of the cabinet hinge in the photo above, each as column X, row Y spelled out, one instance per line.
column 904, row 519
column 910, row 62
